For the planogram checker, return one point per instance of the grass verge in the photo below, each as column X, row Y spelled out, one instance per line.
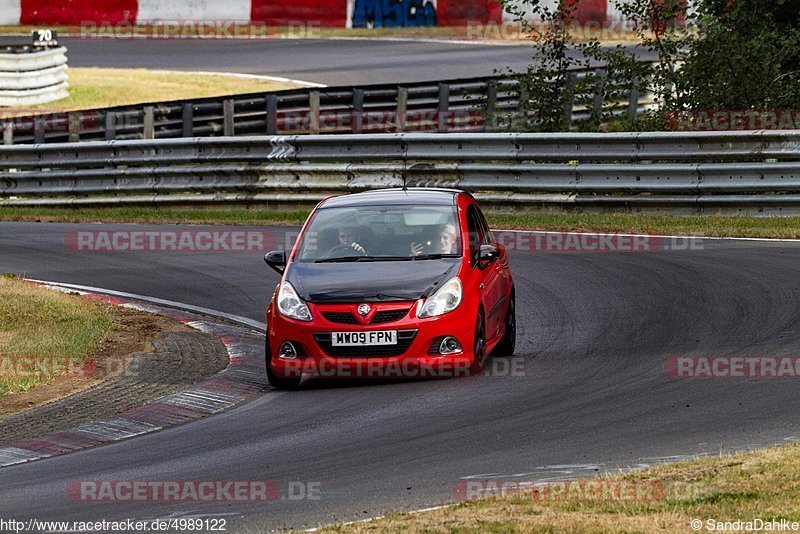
column 99, row 88
column 695, row 225
column 54, row 329
column 762, row 485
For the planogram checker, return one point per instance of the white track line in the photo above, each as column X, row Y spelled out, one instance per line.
column 260, row 77
column 262, row 327
column 367, row 520
column 434, row 40
column 239, row 75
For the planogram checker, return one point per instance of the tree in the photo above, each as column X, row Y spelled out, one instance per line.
column 735, row 55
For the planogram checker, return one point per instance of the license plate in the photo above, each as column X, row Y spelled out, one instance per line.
column 363, row 339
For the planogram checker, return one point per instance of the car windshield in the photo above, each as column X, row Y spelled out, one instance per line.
column 381, row 233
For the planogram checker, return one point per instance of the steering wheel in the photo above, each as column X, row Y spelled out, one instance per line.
column 341, row 251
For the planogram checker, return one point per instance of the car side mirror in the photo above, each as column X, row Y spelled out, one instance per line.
column 489, row 253
column 276, row 260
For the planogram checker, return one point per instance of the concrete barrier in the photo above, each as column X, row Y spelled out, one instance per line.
column 30, row 77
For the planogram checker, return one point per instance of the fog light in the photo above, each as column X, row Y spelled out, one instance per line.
column 449, row 345
column 287, row 350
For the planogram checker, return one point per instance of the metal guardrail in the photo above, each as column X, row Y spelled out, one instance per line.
column 30, row 76
column 448, row 106
column 742, row 172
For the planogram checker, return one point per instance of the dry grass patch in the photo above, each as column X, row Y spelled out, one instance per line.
column 45, row 326
column 100, row 88
column 761, row 485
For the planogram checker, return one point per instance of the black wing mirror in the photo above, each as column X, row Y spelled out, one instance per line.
column 276, row 260
column 489, row 253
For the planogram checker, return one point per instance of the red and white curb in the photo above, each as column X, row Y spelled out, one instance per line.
column 243, row 379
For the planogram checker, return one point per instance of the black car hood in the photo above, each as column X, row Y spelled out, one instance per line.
column 370, row 281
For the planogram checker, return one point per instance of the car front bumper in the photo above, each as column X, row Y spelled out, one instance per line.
column 413, row 357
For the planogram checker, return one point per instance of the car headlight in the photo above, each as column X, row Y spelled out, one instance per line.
column 290, row 305
column 446, row 299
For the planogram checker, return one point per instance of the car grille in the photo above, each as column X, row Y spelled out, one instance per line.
column 381, row 317
column 434, row 348
column 389, row 316
column 404, row 339
column 342, row 318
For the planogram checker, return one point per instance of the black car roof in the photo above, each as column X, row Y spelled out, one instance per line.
column 413, row 195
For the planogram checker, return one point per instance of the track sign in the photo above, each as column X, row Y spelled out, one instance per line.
column 45, row 38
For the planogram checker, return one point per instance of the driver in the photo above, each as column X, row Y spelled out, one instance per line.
column 348, row 238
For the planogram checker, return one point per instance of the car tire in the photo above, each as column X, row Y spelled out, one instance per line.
column 508, row 344
column 479, row 345
column 276, row 381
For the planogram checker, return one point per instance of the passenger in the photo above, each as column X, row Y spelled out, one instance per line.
column 445, row 242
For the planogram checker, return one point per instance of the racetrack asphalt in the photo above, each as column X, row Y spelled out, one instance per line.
column 326, row 61
column 589, row 393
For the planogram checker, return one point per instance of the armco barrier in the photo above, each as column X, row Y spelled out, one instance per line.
column 447, row 106
column 29, row 76
column 741, row 172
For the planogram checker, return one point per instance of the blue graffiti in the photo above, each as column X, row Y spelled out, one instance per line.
column 393, row 13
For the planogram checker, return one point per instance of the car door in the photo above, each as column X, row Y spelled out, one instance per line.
column 495, row 281
column 490, row 279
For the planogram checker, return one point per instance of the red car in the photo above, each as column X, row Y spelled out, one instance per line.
column 390, row 283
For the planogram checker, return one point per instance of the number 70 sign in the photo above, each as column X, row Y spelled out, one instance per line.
column 45, row 38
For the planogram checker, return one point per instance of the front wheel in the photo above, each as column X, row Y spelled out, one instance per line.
column 479, row 345
column 276, row 381
column 508, row 344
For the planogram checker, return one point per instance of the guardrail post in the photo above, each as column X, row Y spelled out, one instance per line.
column 272, row 114
column 569, row 105
column 187, row 114
column 402, row 108
column 228, row 118
column 74, row 127
column 522, row 108
column 599, row 97
column 358, row 110
column 111, row 125
column 149, row 128
column 38, row 129
column 313, row 112
column 633, row 100
column 444, row 106
column 491, row 107
column 8, row 133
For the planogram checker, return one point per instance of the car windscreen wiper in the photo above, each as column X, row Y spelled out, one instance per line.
column 434, row 256
column 345, row 259
column 341, row 259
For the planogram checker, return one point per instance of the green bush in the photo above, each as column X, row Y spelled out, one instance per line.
column 731, row 55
